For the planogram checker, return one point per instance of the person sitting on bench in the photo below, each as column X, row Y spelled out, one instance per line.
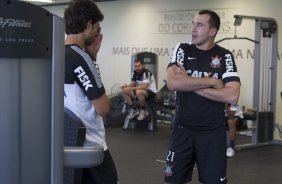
column 233, row 115
column 142, row 87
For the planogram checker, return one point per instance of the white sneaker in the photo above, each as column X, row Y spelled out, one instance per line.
column 142, row 115
column 132, row 113
column 230, row 152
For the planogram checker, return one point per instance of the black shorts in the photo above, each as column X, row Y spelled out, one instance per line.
column 105, row 173
column 207, row 149
column 150, row 95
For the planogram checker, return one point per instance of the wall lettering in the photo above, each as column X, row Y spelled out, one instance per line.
column 239, row 54
column 134, row 50
column 180, row 21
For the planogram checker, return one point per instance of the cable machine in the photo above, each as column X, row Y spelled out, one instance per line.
column 265, row 78
column 237, row 22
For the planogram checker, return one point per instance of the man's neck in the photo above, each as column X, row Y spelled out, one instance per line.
column 75, row 39
column 209, row 44
column 206, row 46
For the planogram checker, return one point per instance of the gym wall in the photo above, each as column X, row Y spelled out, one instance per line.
column 132, row 26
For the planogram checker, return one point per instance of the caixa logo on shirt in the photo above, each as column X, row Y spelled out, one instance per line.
column 201, row 74
column 83, row 78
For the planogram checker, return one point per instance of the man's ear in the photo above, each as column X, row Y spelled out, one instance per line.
column 89, row 24
column 213, row 31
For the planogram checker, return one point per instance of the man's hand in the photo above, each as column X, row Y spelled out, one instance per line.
column 218, row 83
column 123, row 86
column 96, row 43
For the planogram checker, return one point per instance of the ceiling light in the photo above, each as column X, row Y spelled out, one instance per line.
column 40, row 1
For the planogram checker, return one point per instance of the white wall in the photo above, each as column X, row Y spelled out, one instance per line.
column 132, row 26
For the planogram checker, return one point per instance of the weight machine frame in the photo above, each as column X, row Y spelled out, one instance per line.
column 265, row 71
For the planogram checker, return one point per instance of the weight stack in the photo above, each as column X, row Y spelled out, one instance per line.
column 265, row 126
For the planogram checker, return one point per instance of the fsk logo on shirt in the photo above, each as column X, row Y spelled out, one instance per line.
column 83, row 78
column 229, row 63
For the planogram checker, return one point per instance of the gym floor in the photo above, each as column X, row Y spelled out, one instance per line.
column 139, row 157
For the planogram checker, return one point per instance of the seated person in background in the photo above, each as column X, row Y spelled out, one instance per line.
column 233, row 114
column 142, row 87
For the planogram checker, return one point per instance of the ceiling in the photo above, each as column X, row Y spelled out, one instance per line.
column 58, row 2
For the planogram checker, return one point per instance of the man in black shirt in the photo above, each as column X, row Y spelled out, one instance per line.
column 205, row 77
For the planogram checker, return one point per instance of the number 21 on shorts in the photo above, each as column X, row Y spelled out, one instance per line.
column 170, row 156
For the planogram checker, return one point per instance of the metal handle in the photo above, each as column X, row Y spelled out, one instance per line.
column 83, row 157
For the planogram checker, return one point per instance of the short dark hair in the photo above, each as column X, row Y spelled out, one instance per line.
column 78, row 13
column 214, row 21
column 138, row 61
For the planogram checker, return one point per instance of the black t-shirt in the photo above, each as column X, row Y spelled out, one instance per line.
column 193, row 110
column 80, row 68
column 145, row 76
column 82, row 85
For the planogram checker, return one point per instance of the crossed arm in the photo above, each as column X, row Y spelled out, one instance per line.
column 102, row 105
column 211, row 88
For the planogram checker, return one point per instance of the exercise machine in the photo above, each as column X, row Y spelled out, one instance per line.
column 264, row 76
column 160, row 109
column 75, row 159
column 32, row 98
column 149, row 60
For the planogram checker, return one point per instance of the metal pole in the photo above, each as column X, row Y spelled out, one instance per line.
column 57, row 105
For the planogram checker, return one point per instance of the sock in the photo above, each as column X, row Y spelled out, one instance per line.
column 132, row 106
column 232, row 143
